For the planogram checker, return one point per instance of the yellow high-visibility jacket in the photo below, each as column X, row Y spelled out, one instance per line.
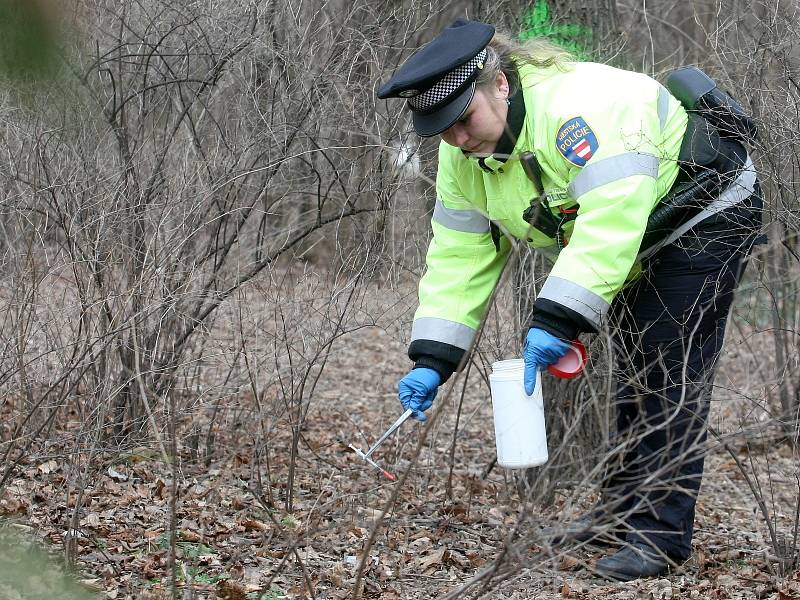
column 607, row 140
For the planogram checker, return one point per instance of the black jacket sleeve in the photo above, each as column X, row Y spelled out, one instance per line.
column 559, row 320
column 442, row 358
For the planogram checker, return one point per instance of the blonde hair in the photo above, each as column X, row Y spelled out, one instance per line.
column 506, row 54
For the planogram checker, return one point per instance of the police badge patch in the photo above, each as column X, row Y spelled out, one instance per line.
column 576, row 141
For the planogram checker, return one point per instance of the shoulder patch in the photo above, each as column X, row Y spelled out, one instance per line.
column 576, row 141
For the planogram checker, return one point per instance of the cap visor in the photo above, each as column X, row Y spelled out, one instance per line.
column 436, row 121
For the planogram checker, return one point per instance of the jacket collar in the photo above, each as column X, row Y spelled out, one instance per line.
column 514, row 122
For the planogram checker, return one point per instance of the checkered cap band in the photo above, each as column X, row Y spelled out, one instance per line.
column 448, row 84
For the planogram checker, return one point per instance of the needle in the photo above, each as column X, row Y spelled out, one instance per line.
column 389, row 476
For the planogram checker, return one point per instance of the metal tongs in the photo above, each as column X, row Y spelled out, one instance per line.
column 366, row 455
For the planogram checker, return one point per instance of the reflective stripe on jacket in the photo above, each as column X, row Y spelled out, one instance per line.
column 630, row 129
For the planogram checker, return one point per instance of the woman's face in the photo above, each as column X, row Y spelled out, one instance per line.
column 482, row 125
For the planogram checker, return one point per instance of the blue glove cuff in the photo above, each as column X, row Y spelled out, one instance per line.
column 428, row 377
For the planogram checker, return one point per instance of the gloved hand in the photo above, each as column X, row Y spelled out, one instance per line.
column 541, row 350
column 418, row 389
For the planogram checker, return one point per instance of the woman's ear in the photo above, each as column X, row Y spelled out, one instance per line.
column 501, row 81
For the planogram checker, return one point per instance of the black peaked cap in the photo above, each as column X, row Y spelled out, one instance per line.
column 456, row 45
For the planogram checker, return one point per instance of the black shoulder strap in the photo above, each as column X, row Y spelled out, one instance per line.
column 533, row 170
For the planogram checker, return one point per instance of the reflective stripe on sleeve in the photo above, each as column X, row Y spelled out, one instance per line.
column 611, row 169
column 442, row 330
column 584, row 302
column 663, row 106
column 469, row 221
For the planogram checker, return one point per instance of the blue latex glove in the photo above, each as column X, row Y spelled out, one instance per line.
column 418, row 389
column 541, row 350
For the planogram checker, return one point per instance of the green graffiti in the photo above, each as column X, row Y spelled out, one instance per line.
column 572, row 37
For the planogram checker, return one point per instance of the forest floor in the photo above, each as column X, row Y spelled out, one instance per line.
column 247, row 527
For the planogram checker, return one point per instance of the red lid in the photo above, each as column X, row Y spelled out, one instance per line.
column 572, row 363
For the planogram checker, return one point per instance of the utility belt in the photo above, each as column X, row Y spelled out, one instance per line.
column 712, row 157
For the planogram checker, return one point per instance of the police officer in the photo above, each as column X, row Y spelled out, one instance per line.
column 608, row 146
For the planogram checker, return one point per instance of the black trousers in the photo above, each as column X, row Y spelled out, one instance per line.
column 669, row 328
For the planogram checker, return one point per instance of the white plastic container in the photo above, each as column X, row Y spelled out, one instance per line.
column 519, row 426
